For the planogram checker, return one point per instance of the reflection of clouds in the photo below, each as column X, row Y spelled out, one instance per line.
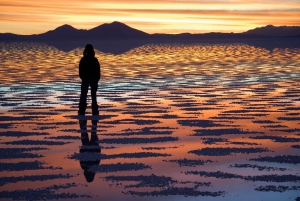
column 167, row 186
column 45, row 192
column 16, row 153
column 265, row 178
column 231, row 64
column 226, row 107
column 136, row 140
column 221, row 151
column 143, row 131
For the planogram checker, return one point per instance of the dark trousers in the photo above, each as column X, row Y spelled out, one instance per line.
column 93, row 83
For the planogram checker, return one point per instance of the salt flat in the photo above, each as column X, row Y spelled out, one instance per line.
column 177, row 121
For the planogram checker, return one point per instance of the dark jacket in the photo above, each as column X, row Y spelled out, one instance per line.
column 89, row 67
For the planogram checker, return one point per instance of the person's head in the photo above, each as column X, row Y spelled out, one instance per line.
column 89, row 50
column 89, row 176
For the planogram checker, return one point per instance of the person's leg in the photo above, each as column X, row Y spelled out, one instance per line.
column 83, row 96
column 94, row 87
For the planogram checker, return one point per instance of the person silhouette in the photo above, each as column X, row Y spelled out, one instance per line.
column 89, row 73
column 89, row 146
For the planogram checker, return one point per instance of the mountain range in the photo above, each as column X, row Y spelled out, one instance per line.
column 271, row 30
column 118, row 30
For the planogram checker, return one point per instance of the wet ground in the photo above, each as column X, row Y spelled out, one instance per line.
column 177, row 121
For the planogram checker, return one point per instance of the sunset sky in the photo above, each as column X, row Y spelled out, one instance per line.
column 151, row 16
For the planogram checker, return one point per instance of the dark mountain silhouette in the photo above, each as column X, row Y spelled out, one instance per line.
column 115, row 30
column 118, row 30
column 212, row 35
column 104, row 31
column 271, row 30
column 10, row 36
column 64, row 31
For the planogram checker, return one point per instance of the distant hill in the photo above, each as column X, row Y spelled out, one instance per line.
column 122, row 31
column 112, row 30
column 115, row 30
column 271, row 30
column 64, row 31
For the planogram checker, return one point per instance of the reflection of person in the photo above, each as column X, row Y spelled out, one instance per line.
column 89, row 73
column 89, row 146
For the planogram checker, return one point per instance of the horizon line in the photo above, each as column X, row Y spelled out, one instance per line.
column 143, row 31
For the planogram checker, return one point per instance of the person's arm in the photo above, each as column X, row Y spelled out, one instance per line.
column 98, row 70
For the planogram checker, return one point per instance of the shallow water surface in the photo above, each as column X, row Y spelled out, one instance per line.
column 177, row 122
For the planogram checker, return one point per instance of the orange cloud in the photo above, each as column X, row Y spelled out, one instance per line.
column 152, row 16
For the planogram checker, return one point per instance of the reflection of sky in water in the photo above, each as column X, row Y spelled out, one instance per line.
column 31, row 62
column 159, row 104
